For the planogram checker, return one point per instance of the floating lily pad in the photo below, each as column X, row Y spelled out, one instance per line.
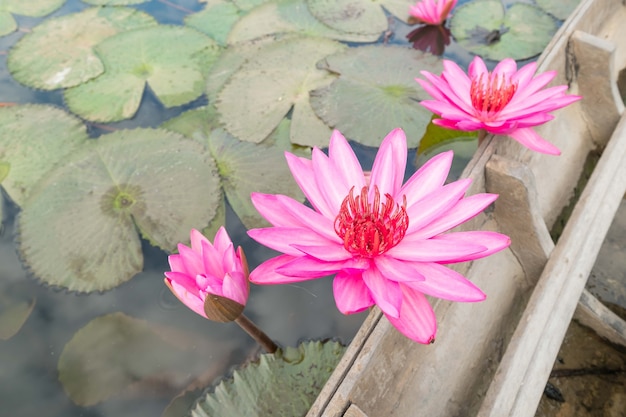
column 283, row 384
column 247, row 5
column 486, row 29
column 560, row 9
column 376, row 92
column 195, row 123
column 259, row 95
column 115, row 351
column 114, row 2
column 288, row 16
column 80, row 227
column 359, row 16
column 215, row 20
column 171, row 59
column 33, row 139
column 72, row 61
column 34, row 8
column 436, row 136
column 245, row 168
column 13, row 315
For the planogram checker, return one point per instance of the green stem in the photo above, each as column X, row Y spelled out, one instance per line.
column 257, row 334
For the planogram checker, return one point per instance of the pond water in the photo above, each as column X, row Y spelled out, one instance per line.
column 190, row 351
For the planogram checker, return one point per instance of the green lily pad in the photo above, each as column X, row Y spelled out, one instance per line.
column 34, row 8
column 195, row 123
column 114, row 352
column 72, row 61
column 280, row 384
column 486, row 29
column 215, row 20
column 560, row 9
column 247, row 5
column 78, row 229
column 376, row 92
column 259, row 95
column 170, row 59
column 436, row 136
column 245, row 168
column 288, row 16
column 13, row 315
column 34, row 139
column 359, row 16
column 114, row 2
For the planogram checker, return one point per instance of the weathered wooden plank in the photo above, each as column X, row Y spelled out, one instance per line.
column 608, row 325
column 525, row 367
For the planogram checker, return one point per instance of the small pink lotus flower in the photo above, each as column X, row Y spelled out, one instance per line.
column 504, row 101
column 383, row 240
column 210, row 279
column 432, row 12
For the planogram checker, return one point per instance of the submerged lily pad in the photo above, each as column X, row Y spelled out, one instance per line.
column 172, row 60
column 115, row 351
column 359, row 16
column 259, row 95
column 215, row 20
column 283, row 384
column 560, row 9
column 80, row 227
column 34, row 8
column 72, row 61
column 376, row 92
column 486, row 29
column 13, row 315
column 33, row 139
column 288, row 16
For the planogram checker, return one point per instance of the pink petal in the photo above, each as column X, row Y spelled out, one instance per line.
column 506, row 67
column 417, row 319
column 442, row 282
column 302, row 171
column 212, row 260
column 428, row 178
column 327, row 252
column 267, row 204
column 530, row 139
column 185, row 281
column 283, row 239
column 197, row 238
column 397, row 270
column 345, row 161
column 329, row 181
column 435, row 204
column 492, row 241
column 191, row 260
column 437, row 249
column 389, row 165
column 222, row 241
column 266, row 273
column 235, row 288
column 351, row 293
column 464, row 210
column 386, row 293
column 524, row 75
column 308, row 267
column 191, row 300
column 476, row 68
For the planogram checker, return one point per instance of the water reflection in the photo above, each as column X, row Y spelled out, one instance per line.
column 430, row 38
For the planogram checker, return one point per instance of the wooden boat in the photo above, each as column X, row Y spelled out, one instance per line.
column 492, row 359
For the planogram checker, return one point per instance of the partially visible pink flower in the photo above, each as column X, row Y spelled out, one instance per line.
column 432, row 12
column 383, row 240
column 214, row 271
column 504, row 101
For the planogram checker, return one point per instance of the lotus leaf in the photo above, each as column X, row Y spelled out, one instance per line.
column 80, row 229
column 486, row 29
column 170, row 59
column 259, row 95
column 72, row 61
column 215, row 20
column 35, row 8
column 375, row 93
column 283, row 384
column 29, row 150
column 365, row 17
column 114, row 2
column 288, row 16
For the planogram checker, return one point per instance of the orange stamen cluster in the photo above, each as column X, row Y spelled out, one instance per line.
column 492, row 93
column 371, row 229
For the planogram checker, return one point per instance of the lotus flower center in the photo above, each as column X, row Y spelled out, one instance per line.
column 491, row 93
column 370, row 229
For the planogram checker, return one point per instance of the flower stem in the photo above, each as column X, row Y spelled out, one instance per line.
column 482, row 135
column 257, row 334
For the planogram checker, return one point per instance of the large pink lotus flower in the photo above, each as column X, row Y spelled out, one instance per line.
column 432, row 12
column 210, row 279
column 384, row 240
column 503, row 102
